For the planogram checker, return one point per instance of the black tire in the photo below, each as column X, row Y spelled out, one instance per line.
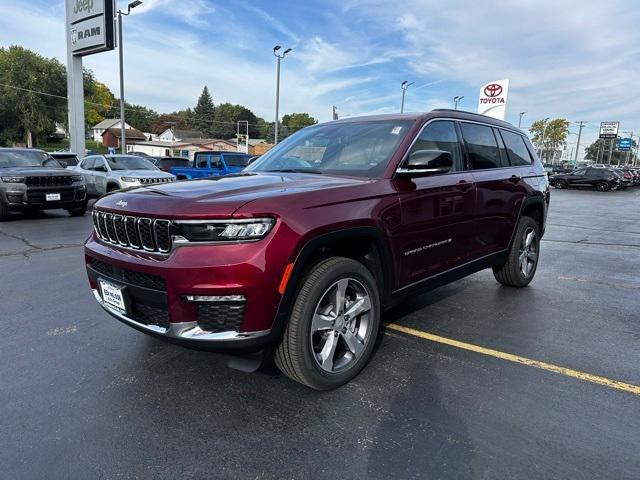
column 4, row 212
column 112, row 187
column 511, row 273
column 79, row 211
column 603, row 187
column 561, row 184
column 294, row 355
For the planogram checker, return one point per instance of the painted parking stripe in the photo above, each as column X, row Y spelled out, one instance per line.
column 568, row 372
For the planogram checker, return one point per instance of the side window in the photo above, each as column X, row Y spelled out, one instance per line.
column 481, row 145
column 516, row 148
column 592, row 172
column 201, row 161
column 580, row 172
column 441, row 135
column 87, row 163
column 100, row 165
column 215, row 161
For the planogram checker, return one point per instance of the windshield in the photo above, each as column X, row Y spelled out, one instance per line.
column 130, row 162
column 26, row 158
column 355, row 148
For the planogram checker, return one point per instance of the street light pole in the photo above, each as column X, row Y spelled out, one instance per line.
column 520, row 120
column 575, row 159
column 132, row 5
column 404, row 86
column 457, row 99
column 279, row 57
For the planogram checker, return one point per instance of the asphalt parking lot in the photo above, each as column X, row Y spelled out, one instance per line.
column 83, row 396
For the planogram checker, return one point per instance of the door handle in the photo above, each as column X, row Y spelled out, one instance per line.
column 463, row 185
column 515, row 178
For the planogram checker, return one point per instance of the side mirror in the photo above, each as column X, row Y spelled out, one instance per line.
column 100, row 168
column 63, row 163
column 427, row 162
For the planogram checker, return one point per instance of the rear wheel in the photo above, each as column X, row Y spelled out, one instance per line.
column 562, row 184
column 333, row 325
column 522, row 262
column 603, row 187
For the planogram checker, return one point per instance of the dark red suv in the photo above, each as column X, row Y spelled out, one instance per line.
column 299, row 255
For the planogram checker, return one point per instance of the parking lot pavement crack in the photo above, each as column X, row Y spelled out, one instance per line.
column 32, row 247
column 19, row 238
column 587, row 242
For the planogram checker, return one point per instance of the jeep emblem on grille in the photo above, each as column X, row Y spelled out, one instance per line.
column 121, row 203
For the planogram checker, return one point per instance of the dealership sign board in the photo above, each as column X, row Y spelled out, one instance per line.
column 609, row 129
column 90, row 26
column 493, row 99
column 624, row 144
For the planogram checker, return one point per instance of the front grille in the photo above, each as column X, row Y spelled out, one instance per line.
column 49, row 180
column 156, row 180
column 220, row 317
column 149, row 234
column 148, row 315
column 129, row 276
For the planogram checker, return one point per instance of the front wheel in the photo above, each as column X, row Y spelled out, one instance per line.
column 78, row 211
column 522, row 261
column 561, row 184
column 333, row 325
column 4, row 212
column 603, row 187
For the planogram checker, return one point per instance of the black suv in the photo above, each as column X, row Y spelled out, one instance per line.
column 602, row 179
column 33, row 180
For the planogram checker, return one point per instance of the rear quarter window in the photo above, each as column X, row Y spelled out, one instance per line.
column 516, row 148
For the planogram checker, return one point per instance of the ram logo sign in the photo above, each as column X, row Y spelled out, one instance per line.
column 90, row 26
column 493, row 99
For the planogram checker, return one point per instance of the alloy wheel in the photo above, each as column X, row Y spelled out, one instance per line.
column 528, row 252
column 341, row 324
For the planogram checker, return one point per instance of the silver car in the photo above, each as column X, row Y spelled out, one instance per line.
column 106, row 173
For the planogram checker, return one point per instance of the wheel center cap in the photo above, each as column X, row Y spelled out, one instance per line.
column 339, row 323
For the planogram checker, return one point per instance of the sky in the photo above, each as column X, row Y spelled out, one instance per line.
column 577, row 59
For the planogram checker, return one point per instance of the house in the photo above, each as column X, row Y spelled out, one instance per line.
column 186, row 148
column 257, row 146
column 96, row 130
column 178, row 135
column 111, row 137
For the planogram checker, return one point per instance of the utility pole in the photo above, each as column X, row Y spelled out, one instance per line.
column 278, row 57
column 334, row 112
column 611, row 150
column 580, row 124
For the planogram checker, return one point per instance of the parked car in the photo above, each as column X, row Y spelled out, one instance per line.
column 301, row 253
column 107, row 173
column 66, row 159
column 602, row 179
column 212, row 164
column 167, row 163
column 634, row 175
column 33, row 180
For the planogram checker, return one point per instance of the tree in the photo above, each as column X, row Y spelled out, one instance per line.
column 549, row 135
column 26, row 114
column 226, row 117
column 99, row 102
column 283, row 132
column 296, row 121
column 203, row 113
column 140, row 117
column 166, row 120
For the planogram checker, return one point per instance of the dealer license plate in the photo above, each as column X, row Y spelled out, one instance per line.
column 112, row 295
column 52, row 197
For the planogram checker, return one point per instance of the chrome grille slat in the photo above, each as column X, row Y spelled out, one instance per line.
column 137, row 233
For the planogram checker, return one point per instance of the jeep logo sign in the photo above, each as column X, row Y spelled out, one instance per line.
column 493, row 99
column 90, row 26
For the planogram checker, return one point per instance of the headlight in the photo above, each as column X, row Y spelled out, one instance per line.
column 13, row 179
column 224, row 231
column 130, row 179
column 76, row 178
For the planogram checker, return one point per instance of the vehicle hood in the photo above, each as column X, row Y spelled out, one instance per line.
column 221, row 196
column 34, row 171
column 141, row 173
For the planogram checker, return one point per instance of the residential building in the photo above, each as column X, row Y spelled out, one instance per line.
column 186, row 148
column 97, row 130
column 112, row 136
column 178, row 135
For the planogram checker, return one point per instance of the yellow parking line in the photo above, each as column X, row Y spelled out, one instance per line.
column 587, row 377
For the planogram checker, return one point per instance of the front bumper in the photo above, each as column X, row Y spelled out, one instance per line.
column 23, row 197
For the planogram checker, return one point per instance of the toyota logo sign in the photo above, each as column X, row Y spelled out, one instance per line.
column 492, row 90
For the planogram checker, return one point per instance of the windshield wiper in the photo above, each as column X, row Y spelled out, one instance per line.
column 297, row 170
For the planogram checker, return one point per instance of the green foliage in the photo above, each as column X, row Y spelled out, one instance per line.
column 549, row 135
column 296, row 121
column 598, row 152
column 226, row 115
column 167, row 120
column 203, row 113
column 26, row 116
column 99, row 102
column 140, row 117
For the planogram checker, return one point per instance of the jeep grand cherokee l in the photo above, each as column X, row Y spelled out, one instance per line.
column 32, row 180
column 299, row 255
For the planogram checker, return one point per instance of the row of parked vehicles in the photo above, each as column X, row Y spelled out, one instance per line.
column 32, row 179
column 600, row 177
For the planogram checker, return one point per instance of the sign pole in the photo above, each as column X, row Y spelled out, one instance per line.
column 75, row 96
